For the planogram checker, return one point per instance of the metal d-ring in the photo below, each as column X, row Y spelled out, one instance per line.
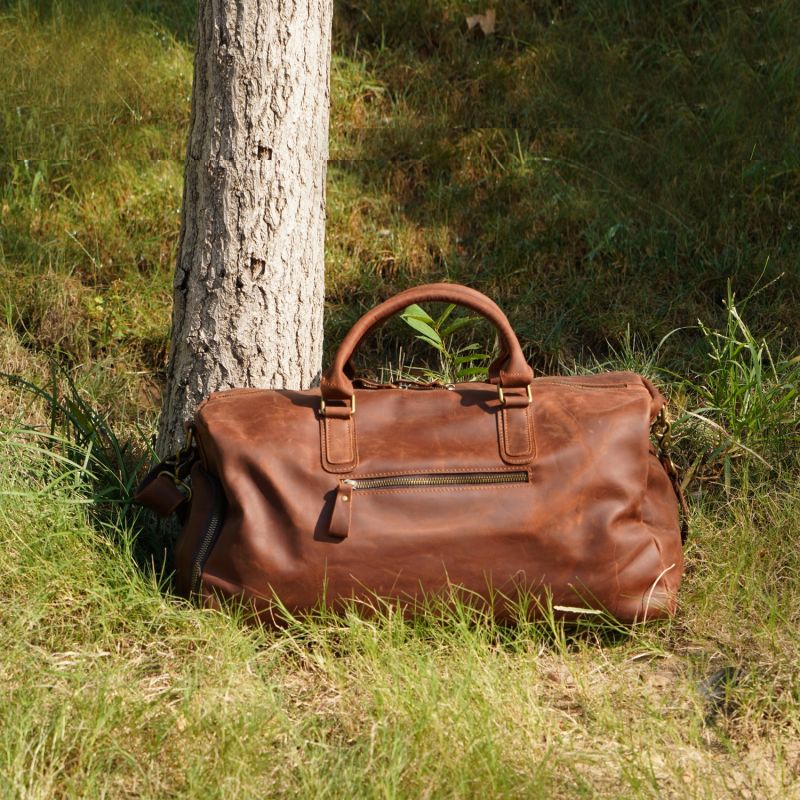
column 322, row 405
column 501, row 395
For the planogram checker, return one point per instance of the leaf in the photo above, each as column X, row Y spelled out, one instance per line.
column 427, row 332
column 82, row 422
column 417, row 312
column 457, row 324
column 470, row 371
column 471, row 358
column 444, row 315
column 485, row 21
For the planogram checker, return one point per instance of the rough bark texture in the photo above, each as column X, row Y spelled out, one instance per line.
column 249, row 284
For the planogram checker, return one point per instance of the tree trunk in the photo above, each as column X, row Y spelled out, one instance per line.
column 249, row 284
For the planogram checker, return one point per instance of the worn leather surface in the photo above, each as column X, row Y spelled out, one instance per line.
column 594, row 522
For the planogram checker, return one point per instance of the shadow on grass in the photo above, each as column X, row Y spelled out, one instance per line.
column 591, row 166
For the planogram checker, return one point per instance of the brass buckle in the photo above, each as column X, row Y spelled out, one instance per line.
column 662, row 430
column 502, row 397
column 176, row 466
column 322, row 405
column 181, row 484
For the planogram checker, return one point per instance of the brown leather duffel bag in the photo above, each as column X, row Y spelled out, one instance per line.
column 516, row 490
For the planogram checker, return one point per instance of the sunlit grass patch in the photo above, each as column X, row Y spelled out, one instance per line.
column 92, row 133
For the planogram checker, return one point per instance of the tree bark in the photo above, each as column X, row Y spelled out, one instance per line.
column 249, row 285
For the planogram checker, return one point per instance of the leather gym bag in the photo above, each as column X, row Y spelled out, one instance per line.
column 517, row 491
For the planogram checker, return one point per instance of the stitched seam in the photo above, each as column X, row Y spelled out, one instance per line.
column 516, row 375
column 227, row 394
column 327, row 425
column 507, row 456
column 323, row 444
column 353, row 445
column 521, row 458
column 573, row 386
column 527, row 434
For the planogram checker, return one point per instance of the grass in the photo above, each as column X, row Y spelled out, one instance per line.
column 622, row 178
column 592, row 168
column 111, row 688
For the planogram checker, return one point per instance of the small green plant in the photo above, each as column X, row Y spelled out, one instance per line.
column 750, row 398
column 456, row 363
column 81, row 440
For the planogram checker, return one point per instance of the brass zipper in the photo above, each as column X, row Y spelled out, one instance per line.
column 437, row 479
column 559, row 381
column 203, row 551
column 213, row 527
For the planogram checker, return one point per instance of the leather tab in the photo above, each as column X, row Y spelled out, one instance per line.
column 160, row 493
column 658, row 399
column 515, row 431
column 342, row 511
column 338, row 443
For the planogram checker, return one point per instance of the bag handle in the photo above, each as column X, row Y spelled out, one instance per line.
column 509, row 371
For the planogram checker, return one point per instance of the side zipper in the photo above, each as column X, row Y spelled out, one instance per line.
column 213, row 527
column 343, row 502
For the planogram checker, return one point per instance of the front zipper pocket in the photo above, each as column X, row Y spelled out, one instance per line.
column 349, row 487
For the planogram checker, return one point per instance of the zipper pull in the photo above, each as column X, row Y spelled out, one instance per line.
column 342, row 510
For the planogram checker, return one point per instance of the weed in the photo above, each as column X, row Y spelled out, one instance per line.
column 83, row 433
column 456, row 363
column 748, row 403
